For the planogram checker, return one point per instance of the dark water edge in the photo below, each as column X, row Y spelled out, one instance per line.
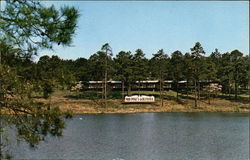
column 146, row 136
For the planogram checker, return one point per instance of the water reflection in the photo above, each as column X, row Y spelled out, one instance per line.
column 158, row 136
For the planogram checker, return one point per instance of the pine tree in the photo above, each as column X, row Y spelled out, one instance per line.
column 197, row 53
column 25, row 28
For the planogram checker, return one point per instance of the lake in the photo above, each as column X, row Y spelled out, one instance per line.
column 146, row 136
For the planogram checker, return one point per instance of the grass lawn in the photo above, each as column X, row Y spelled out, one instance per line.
column 91, row 102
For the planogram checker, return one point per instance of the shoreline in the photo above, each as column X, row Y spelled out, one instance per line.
column 200, row 111
column 101, row 113
column 86, row 106
column 116, row 106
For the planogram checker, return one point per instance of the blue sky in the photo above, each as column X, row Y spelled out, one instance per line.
column 154, row 25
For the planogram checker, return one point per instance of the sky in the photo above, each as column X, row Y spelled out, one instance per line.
column 155, row 25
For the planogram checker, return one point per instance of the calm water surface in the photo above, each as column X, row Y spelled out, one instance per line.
column 147, row 136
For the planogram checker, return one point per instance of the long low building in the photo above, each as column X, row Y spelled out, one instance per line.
column 142, row 85
column 145, row 84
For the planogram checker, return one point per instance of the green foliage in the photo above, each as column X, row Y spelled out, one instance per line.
column 53, row 72
column 139, row 66
column 192, row 67
column 176, row 69
column 81, row 69
column 197, row 67
column 47, row 89
column 197, row 51
column 176, row 65
column 25, row 27
column 30, row 25
column 33, row 121
column 159, row 63
column 238, row 68
column 197, row 64
column 225, row 72
column 115, row 95
column 188, row 67
column 98, row 65
column 123, row 66
column 34, row 127
column 216, row 57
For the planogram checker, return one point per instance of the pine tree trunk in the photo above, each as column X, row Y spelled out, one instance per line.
column 122, row 89
column 161, row 92
column 199, row 96
column 129, row 89
column 209, row 98
column 106, row 74
column 236, row 91
column 102, row 89
column 127, row 85
column 229, row 90
column 105, row 88
column 139, row 87
column 177, row 87
column 236, row 85
column 195, row 90
column 187, row 88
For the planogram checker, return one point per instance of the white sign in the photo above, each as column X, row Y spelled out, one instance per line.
column 139, row 98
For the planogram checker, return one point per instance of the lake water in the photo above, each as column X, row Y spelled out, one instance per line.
column 147, row 136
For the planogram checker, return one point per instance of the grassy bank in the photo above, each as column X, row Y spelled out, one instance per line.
column 84, row 103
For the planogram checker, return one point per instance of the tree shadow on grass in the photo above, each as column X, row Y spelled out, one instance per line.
column 171, row 97
column 39, row 103
column 187, row 97
column 134, row 103
column 244, row 100
column 85, row 95
column 94, row 95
